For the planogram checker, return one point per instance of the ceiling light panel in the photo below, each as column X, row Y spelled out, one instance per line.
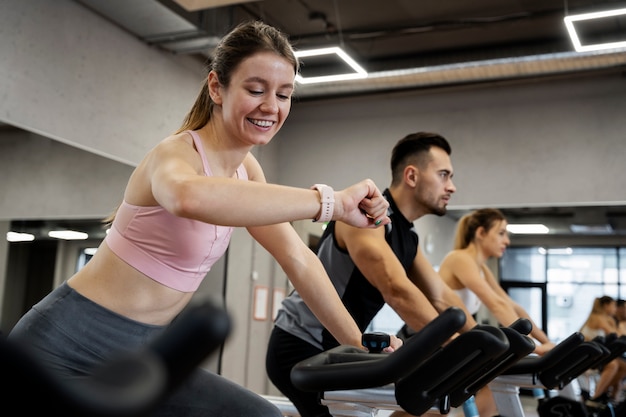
column 527, row 229
column 20, row 237
column 598, row 30
column 68, row 235
column 343, row 67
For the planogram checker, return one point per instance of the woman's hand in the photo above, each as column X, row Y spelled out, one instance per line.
column 361, row 205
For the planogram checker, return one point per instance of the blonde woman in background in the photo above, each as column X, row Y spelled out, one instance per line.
column 602, row 322
column 482, row 235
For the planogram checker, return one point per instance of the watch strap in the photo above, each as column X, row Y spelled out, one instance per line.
column 327, row 200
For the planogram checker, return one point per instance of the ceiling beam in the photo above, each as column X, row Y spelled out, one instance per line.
column 195, row 5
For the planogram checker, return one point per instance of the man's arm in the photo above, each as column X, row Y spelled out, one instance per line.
column 424, row 276
column 371, row 253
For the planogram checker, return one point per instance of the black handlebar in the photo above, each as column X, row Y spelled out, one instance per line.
column 424, row 371
column 448, row 372
column 615, row 345
column 564, row 362
column 522, row 326
column 347, row 367
column 520, row 345
column 128, row 386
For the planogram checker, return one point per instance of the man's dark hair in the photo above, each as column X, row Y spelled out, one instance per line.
column 414, row 149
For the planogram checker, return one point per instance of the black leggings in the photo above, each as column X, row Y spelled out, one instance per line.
column 71, row 335
column 283, row 352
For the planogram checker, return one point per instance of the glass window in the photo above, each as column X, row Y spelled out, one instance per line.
column 622, row 272
column 386, row 321
column 530, row 298
column 524, row 264
column 574, row 277
column 583, row 265
column 568, row 307
column 84, row 256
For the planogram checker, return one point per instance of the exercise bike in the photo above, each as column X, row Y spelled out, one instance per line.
column 426, row 373
column 557, row 371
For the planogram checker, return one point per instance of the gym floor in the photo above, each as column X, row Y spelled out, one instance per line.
column 528, row 402
column 530, row 406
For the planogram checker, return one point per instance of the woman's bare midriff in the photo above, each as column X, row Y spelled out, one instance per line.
column 115, row 285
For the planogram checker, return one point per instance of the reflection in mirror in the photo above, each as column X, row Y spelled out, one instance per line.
column 572, row 225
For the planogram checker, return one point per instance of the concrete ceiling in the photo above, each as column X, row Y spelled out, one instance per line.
column 403, row 44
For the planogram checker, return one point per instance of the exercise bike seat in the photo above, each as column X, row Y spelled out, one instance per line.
column 131, row 385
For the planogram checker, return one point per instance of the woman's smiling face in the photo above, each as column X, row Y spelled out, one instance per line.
column 258, row 100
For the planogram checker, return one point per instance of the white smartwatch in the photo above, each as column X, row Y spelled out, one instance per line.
column 327, row 199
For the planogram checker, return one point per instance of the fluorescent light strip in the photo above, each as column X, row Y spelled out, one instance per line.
column 560, row 251
column 68, row 235
column 358, row 74
column 527, row 229
column 569, row 24
column 19, row 237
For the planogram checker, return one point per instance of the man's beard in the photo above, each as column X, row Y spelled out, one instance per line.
column 439, row 211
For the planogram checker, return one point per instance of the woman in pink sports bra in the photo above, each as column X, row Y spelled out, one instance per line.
column 174, row 223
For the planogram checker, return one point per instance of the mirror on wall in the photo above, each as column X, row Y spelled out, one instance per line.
column 584, row 224
column 87, row 229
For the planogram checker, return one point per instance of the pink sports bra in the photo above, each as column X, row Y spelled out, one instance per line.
column 174, row 251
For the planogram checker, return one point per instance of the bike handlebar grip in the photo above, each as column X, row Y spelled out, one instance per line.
column 571, row 365
column 561, row 364
column 198, row 330
column 522, row 325
column 462, row 359
column 536, row 364
column 129, row 385
column 520, row 345
column 616, row 347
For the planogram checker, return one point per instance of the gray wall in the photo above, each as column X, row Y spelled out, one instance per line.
column 43, row 178
column 93, row 99
column 552, row 142
column 70, row 75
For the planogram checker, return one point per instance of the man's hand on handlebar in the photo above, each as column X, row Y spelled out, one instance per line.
column 380, row 342
column 396, row 343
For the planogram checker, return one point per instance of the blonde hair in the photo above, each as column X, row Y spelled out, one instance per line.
column 600, row 302
column 598, row 307
column 468, row 224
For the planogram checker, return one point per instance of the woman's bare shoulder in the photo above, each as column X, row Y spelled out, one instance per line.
column 253, row 168
column 457, row 255
column 177, row 138
column 454, row 261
